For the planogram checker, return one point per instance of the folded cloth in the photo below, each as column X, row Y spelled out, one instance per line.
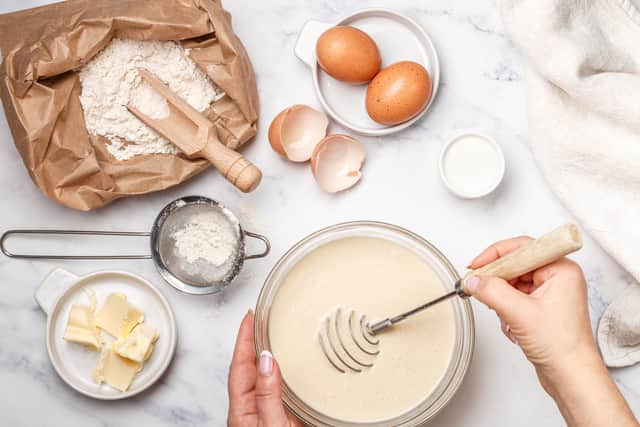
column 583, row 75
column 619, row 329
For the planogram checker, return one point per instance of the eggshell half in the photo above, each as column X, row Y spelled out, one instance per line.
column 295, row 132
column 274, row 132
column 336, row 163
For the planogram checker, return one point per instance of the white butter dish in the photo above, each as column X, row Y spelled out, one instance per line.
column 75, row 363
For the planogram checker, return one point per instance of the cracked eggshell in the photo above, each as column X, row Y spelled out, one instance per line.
column 296, row 131
column 336, row 163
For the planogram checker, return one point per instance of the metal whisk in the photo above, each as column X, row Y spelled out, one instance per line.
column 347, row 342
column 360, row 349
column 361, row 345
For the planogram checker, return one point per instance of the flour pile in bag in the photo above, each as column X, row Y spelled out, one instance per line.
column 110, row 81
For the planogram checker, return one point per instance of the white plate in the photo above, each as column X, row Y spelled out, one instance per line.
column 398, row 37
column 75, row 363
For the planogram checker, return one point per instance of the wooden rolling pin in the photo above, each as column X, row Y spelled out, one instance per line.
column 533, row 255
column 195, row 135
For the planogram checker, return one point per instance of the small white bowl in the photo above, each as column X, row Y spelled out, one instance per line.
column 468, row 183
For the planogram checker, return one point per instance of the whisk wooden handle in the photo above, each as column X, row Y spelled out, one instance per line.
column 535, row 254
column 234, row 166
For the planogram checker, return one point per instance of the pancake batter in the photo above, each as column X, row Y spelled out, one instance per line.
column 379, row 278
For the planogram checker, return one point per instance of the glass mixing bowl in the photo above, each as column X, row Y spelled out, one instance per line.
column 463, row 315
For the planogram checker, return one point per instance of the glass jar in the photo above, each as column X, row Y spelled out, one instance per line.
column 464, row 324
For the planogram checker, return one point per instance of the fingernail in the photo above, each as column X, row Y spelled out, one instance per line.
column 265, row 364
column 471, row 284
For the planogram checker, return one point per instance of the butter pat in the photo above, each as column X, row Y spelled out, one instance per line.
column 115, row 370
column 121, row 361
column 81, row 327
column 138, row 345
column 134, row 318
column 117, row 317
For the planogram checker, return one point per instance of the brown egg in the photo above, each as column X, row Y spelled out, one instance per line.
column 398, row 93
column 348, row 54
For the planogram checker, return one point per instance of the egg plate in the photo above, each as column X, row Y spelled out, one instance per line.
column 398, row 37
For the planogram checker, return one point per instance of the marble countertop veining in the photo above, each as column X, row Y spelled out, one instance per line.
column 482, row 87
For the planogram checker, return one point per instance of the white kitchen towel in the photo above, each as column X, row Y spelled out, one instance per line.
column 618, row 334
column 583, row 60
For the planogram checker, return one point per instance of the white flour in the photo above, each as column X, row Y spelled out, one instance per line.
column 110, row 81
column 206, row 236
column 150, row 102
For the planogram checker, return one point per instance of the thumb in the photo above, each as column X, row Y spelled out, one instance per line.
column 498, row 295
column 269, row 393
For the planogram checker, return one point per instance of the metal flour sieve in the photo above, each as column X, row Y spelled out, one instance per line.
column 198, row 277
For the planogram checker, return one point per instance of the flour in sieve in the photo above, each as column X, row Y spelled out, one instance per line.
column 110, row 81
column 207, row 236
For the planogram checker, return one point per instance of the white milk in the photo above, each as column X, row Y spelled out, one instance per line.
column 472, row 166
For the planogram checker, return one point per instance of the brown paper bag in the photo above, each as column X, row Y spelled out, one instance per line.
column 40, row 91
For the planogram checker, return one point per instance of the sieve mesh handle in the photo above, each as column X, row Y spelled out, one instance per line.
column 267, row 245
column 10, row 254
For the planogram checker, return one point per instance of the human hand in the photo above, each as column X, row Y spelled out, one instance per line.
column 545, row 312
column 255, row 396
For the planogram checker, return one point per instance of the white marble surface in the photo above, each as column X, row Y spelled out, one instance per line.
column 482, row 87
